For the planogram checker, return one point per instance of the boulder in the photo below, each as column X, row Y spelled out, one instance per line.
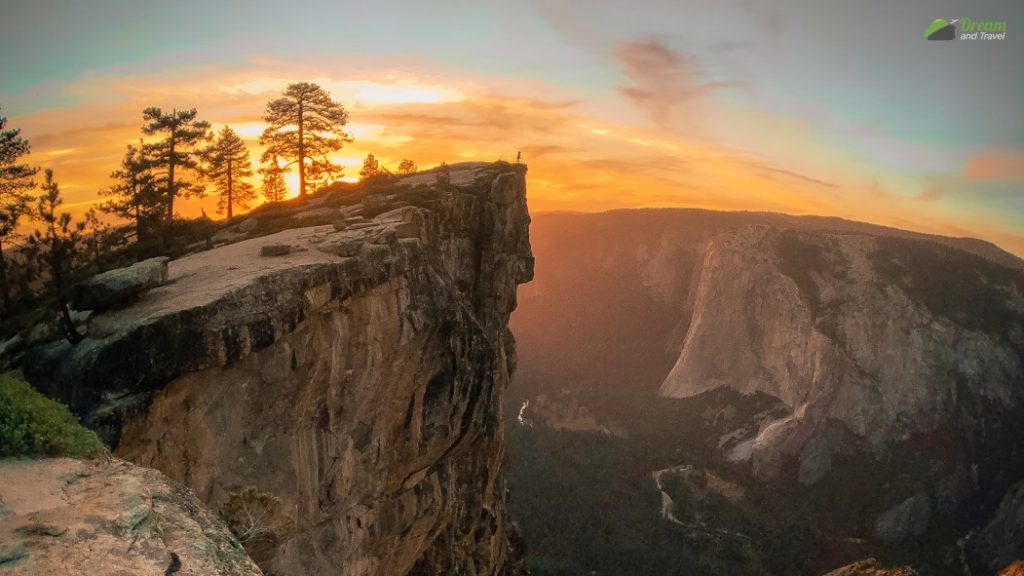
column 275, row 250
column 120, row 286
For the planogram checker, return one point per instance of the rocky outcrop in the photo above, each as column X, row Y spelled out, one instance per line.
column 119, row 286
column 356, row 379
column 563, row 411
column 65, row 516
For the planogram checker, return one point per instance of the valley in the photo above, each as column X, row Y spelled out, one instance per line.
column 668, row 337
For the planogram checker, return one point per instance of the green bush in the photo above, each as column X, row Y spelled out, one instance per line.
column 33, row 425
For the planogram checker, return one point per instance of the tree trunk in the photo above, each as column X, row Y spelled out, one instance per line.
column 3, row 282
column 302, row 156
column 170, row 180
column 70, row 332
column 56, row 265
column 230, row 214
column 138, row 210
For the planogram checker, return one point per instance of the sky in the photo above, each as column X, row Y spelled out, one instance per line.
column 829, row 107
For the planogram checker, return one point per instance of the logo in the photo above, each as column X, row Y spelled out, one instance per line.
column 965, row 29
column 940, row 29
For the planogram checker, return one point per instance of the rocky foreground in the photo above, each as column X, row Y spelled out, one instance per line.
column 349, row 374
column 67, row 516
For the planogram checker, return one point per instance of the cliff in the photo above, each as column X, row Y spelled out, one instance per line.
column 353, row 372
column 888, row 338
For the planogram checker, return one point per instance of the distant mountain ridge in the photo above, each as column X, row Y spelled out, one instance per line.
column 811, row 222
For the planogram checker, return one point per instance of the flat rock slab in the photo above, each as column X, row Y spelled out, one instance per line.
column 119, row 286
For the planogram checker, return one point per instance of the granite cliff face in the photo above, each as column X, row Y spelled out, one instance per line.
column 353, row 371
column 885, row 338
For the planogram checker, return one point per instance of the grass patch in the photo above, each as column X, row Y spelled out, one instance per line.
column 33, row 425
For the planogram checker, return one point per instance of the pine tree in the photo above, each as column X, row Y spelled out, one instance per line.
column 274, row 189
column 371, row 168
column 176, row 152
column 15, row 183
column 136, row 195
column 304, row 127
column 407, row 167
column 226, row 165
column 59, row 239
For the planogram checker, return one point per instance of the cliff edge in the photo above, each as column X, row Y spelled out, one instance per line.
column 351, row 373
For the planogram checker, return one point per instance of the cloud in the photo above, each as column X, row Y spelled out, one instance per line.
column 663, row 80
column 995, row 166
column 772, row 172
column 580, row 157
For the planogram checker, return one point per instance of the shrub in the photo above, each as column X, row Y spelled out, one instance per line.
column 253, row 514
column 33, row 425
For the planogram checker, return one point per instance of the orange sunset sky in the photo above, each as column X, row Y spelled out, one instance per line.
column 821, row 110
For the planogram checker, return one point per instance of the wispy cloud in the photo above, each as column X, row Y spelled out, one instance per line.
column 994, row 165
column 663, row 81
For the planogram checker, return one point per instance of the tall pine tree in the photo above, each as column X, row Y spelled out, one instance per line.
column 15, row 183
column 59, row 240
column 177, row 151
column 136, row 195
column 226, row 165
column 303, row 128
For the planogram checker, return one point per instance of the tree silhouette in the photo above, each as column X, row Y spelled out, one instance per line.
column 303, row 127
column 60, row 241
column 226, row 166
column 274, row 189
column 443, row 175
column 136, row 195
column 177, row 151
column 407, row 167
column 15, row 183
column 371, row 168
column 321, row 173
